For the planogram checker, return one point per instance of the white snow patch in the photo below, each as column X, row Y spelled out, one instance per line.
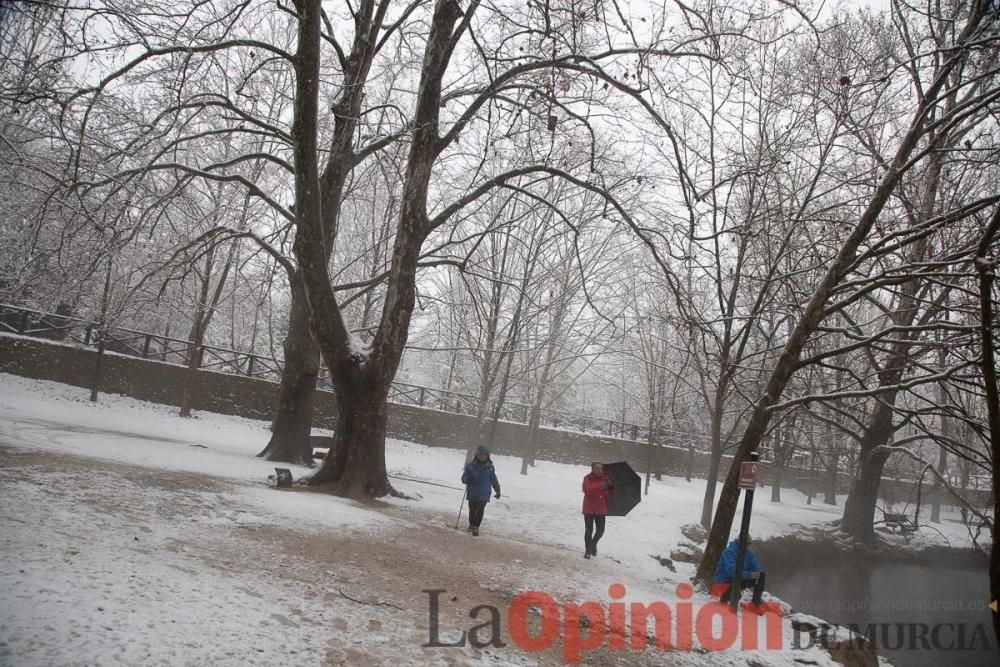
column 60, row 565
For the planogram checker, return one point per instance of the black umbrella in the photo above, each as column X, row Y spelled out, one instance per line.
column 628, row 488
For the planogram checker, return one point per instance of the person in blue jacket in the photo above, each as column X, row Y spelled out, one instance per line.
column 478, row 477
column 753, row 572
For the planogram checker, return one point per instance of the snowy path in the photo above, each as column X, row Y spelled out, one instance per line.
column 129, row 536
column 114, row 564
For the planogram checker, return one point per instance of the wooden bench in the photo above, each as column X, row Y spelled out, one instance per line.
column 900, row 523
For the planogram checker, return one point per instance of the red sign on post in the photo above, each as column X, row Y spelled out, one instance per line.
column 748, row 475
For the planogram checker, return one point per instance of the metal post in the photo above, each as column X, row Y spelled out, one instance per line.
column 24, row 323
column 420, row 397
column 87, row 334
column 250, row 365
column 145, row 347
column 735, row 591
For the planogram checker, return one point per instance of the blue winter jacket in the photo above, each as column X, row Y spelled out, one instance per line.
column 479, row 477
column 727, row 564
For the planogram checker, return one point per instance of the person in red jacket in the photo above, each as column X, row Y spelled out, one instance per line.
column 596, row 489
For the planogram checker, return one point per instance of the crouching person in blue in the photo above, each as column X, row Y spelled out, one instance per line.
column 478, row 477
column 753, row 572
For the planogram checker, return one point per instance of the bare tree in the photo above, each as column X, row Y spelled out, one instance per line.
column 960, row 56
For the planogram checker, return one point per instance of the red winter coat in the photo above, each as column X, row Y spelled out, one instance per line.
column 595, row 496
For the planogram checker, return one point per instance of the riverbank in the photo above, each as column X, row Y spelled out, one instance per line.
column 825, row 546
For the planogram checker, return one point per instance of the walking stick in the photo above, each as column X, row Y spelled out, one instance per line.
column 459, row 517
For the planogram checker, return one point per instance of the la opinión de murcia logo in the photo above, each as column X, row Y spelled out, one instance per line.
column 535, row 622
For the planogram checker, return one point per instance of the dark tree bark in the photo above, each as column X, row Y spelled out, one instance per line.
column 832, row 472
column 964, row 470
column 95, row 380
column 95, row 383
column 859, row 508
column 942, row 463
column 511, row 343
column 783, row 450
column 714, row 460
column 777, row 479
column 293, row 417
column 531, row 447
column 488, row 368
column 534, row 423
column 355, row 465
column 987, row 326
column 196, row 351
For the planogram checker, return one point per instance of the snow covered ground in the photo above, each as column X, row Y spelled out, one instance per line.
column 131, row 536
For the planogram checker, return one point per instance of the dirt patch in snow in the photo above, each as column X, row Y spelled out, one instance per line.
column 361, row 595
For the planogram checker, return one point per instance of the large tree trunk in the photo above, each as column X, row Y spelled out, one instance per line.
column 859, row 510
column 860, row 504
column 292, row 423
column 355, row 465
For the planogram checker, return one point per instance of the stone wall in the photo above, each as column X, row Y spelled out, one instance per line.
column 230, row 394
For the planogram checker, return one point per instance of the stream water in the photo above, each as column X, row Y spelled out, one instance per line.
column 918, row 614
